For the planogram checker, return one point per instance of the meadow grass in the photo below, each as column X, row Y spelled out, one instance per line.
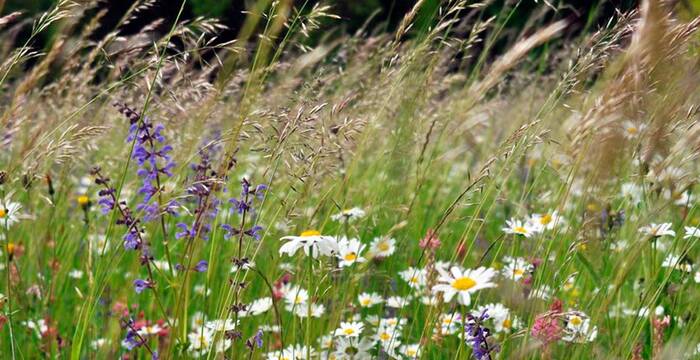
column 420, row 194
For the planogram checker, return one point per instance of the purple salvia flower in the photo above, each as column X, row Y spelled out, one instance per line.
column 132, row 240
column 477, row 336
column 201, row 266
column 151, row 155
column 140, row 285
column 259, row 339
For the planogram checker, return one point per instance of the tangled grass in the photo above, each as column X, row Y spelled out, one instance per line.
column 404, row 195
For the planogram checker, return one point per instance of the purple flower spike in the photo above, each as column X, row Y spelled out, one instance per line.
column 201, row 266
column 140, row 285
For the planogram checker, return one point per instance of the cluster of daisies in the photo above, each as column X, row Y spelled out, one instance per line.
column 535, row 224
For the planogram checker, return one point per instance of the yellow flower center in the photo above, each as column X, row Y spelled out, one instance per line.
column 384, row 336
column 383, row 246
column 464, row 283
column 519, row 272
column 632, row 129
column 411, row 352
column 307, row 233
column 350, row 256
column 364, row 302
column 83, row 200
column 546, row 219
column 414, row 280
column 298, row 299
column 507, row 323
column 575, row 320
column 520, row 230
column 11, row 248
column 3, row 212
column 349, row 331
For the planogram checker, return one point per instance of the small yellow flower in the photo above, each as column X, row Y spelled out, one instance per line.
column 11, row 248
column 83, row 200
column 3, row 213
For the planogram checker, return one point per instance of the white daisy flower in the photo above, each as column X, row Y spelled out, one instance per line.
column 680, row 199
column 429, row 300
column 676, row 262
column 541, row 222
column 198, row 319
column 387, row 336
column 450, row 323
column 411, row 351
column 415, row 277
column 9, row 211
column 314, row 310
column 691, row 232
column 349, row 329
column 148, row 330
column 463, row 282
column 369, row 299
column 657, row 230
column 352, row 348
column 516, row 227
column 578, row 328
column 632, row 191
column 349, row 215
column 500, row 315
column 398, row 302
column 543, row 292
column 382, row 246
column 246, row 266
column 295, row 297
column 392, row 322
column 631, row 129
column 257, row 307
column 312, row 242
column 98, row 343
column 221, row 325
column 349, row 251
column 515, row 268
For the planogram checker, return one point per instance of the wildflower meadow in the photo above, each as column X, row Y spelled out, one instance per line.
column 470, row 181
